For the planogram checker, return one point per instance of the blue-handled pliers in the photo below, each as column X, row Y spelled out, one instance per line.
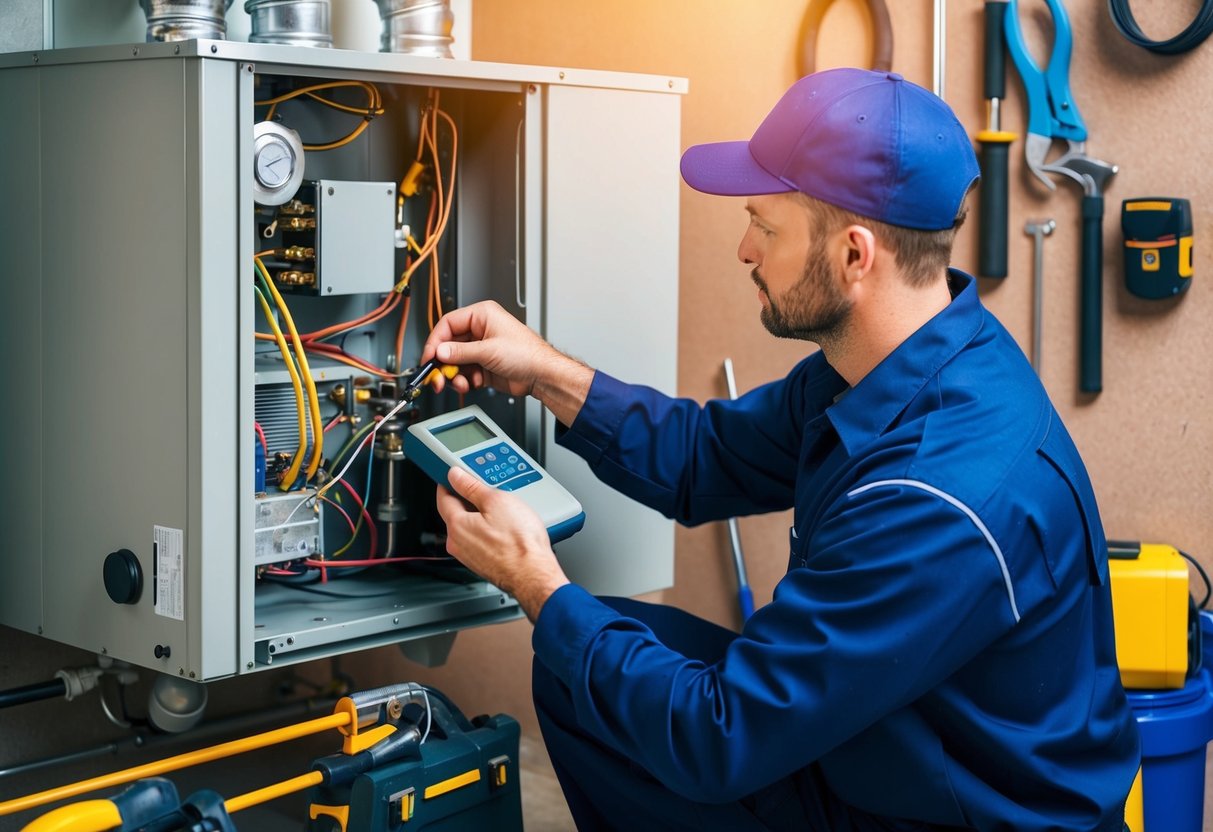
column 1052, row 113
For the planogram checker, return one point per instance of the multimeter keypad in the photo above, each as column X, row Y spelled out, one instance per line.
column 502, row 466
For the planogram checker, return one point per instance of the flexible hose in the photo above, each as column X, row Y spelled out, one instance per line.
column 32, row 693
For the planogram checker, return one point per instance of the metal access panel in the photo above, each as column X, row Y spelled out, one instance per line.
column 142, row 359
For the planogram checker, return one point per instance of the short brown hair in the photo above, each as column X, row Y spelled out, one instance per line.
column 921, row 255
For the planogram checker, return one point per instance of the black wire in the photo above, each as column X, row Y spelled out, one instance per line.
column 1189, row 38
column 1204, row 576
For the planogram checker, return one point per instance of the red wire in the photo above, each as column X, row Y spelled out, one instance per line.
column 376, row 562
column 261, row 435
column 338, row 419
column 365, row 516
column 343, row 513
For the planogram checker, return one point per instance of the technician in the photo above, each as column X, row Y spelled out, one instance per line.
column 940, row 652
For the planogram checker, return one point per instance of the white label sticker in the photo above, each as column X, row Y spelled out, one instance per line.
column 170, row 572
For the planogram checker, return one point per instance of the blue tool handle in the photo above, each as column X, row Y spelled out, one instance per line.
column 1051, row 109
column 745, row 599
column 1091, row 302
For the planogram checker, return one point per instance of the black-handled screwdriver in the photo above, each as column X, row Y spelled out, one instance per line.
column 995, row 147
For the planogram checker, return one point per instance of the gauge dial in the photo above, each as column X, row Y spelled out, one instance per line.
column 277, row 163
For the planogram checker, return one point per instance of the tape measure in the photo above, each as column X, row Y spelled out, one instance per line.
column 1158, row 246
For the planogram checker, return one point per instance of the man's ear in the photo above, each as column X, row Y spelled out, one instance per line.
column 859, row 248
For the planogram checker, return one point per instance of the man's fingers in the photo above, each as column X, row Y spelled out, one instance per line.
column 470, row 488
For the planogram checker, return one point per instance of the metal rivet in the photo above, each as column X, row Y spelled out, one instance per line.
column 39, row 631
column 192, row 674
column 135, row 51
column 214, row 49
column 177, row 50
column 249, row 665
column 35, row 59
column 330, row 191
column 290, row 640
column 670, row 84
column 181, row 671
column 561, row 76
column 531, row 88
column 395, row 620
column 104, row 651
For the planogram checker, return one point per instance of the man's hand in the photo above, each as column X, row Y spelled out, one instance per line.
column 502, row 540
column 493, row 348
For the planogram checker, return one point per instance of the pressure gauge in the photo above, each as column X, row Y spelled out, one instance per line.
column 277, row 163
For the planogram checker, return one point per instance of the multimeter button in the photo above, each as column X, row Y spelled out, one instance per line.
column 480, row 460
column 504, row 449
column 512, row 459
column 521, row 466
column 490, row 456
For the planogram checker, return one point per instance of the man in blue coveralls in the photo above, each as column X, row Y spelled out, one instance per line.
column 940, row 652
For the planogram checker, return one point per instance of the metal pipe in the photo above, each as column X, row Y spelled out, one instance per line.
column 416, row 27
column 941, row 45
column 33, row 693
column 290, row 22
column 170, row 20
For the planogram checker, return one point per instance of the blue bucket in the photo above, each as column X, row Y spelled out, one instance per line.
column 1175, row 727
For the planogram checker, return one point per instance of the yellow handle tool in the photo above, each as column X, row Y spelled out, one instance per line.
column 88, row 816
column 202, row 755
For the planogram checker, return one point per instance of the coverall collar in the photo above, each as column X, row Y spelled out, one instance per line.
column 865, row 411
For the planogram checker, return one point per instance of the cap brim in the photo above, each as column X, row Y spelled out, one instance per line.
column 728, row 169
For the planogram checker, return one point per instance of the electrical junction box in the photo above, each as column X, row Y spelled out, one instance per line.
column 141, row 181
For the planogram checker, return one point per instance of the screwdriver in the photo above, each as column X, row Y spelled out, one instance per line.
column 425, row 375
column 995, row 147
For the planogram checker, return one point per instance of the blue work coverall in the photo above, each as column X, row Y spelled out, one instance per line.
column 940, row 652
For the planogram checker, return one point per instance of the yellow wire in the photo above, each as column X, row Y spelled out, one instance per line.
column 297, row 460
column 301, row 355
column 374, row 107
column 432, row 242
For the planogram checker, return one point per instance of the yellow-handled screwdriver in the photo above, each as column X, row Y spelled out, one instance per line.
column 426, row 375
column 995, row 147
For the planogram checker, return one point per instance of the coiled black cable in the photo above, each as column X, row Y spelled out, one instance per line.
column 1188, row 39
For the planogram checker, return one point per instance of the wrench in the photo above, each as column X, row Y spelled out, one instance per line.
column 1039, row 229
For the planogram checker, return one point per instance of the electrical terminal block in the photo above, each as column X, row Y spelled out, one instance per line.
column 295, row 278
column 299, row 253
column 296, row 208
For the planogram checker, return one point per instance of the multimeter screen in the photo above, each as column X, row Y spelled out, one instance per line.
column 463, row 434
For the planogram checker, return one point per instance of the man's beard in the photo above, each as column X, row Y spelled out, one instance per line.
column 813, row 309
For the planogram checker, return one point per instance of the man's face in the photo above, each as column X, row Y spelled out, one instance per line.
column 798, row 286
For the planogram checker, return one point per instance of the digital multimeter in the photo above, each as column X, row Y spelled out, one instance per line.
column 469, row 439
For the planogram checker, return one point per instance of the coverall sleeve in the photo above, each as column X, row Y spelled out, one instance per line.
column 900, row 589
column 690, row 462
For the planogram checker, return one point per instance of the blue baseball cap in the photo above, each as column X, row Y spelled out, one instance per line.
column 869, row 142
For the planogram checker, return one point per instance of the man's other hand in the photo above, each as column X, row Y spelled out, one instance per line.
column 501, row 539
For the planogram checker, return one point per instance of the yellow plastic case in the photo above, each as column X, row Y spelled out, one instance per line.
column 1150, row 609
